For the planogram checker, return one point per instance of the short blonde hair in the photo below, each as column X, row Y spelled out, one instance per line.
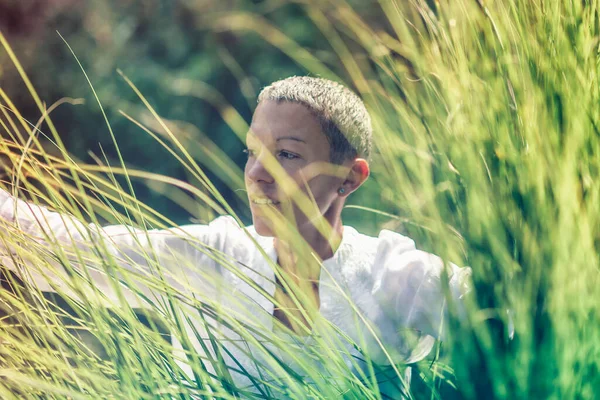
column 344, row 118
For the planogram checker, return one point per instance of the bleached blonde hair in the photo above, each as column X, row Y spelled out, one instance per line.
column 343, row 116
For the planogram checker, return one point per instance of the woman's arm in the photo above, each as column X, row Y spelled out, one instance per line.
column 178, row 254
column 40, row 223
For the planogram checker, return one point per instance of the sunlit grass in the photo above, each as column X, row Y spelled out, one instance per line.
column 487, row 153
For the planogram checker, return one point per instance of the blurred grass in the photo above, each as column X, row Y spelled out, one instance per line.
column 487, row 153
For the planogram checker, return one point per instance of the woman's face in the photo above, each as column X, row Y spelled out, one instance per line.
column 288, row 135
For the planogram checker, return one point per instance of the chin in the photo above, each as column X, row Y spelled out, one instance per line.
column 262, row 227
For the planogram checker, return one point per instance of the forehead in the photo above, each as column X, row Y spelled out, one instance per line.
column 273, row 120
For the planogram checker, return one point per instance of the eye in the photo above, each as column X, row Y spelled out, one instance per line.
column 249, row 152
column 286, row 155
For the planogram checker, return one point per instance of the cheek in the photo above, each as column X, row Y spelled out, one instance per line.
column 328, row 189
column 324, row 191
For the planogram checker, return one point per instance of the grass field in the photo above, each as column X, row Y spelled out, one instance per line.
column 487, row 152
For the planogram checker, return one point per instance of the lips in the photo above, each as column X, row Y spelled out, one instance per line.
column 263, row 200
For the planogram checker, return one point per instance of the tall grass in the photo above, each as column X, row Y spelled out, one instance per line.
column 487, row 153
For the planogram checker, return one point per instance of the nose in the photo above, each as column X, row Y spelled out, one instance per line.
column 256, row 171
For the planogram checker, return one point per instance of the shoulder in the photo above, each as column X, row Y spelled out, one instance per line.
column 215, row 234
column 363, row 254
column 394, row 271
column 398, row 255
column 220, row 226
column 364, row 262
column 402, row 268
column 220, row 234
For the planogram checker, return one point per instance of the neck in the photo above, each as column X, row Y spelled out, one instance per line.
column 324, row 246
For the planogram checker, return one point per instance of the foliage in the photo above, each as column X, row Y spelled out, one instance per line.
column 487, row 144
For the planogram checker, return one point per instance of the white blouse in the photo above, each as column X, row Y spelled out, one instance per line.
column 373, row 289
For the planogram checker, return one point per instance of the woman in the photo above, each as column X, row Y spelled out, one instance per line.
column 297, row 268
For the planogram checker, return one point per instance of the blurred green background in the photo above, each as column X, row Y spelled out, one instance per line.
column 188, row 70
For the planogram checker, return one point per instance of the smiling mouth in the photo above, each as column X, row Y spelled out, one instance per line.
column 263, row 201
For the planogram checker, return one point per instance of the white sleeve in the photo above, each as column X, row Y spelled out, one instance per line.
column 180, row 252
column 409, row 286
column 63, row 229
column 39, row 222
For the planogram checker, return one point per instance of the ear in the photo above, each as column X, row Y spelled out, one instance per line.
column 358, row 174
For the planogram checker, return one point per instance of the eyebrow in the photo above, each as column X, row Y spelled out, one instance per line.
column 290, row 138
column 252, row 137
